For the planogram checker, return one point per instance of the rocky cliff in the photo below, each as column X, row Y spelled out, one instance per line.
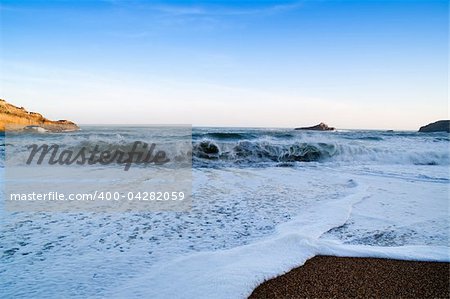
column 12, row 117
column 439, row 126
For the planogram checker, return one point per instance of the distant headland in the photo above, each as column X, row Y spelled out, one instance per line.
column 17, row 118
column 438, row 126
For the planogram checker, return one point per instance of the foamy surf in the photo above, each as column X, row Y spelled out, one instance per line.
column 250, row 220
column 234, row 273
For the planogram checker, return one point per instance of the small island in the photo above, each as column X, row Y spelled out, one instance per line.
column 17, row 118
column 320, row 127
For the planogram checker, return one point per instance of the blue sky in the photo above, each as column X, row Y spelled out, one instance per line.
column 352, row 64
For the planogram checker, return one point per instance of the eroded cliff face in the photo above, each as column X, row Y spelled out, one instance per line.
column 16, row 118
column 438, row 126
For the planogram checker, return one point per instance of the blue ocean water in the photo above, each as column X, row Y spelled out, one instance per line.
column 260, row 147
column 256, row 192
column 285, row 147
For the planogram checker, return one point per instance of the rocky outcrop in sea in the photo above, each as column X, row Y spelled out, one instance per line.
column 438, row 126
column 319, row 127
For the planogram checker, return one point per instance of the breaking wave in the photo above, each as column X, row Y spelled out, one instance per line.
column 208, row 152
column 221, row 147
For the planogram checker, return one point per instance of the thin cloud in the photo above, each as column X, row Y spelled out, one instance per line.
column 178, row 10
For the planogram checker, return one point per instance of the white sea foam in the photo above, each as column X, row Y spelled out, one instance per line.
column 234, row 273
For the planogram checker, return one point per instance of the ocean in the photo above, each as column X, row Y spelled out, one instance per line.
column 263, row 201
